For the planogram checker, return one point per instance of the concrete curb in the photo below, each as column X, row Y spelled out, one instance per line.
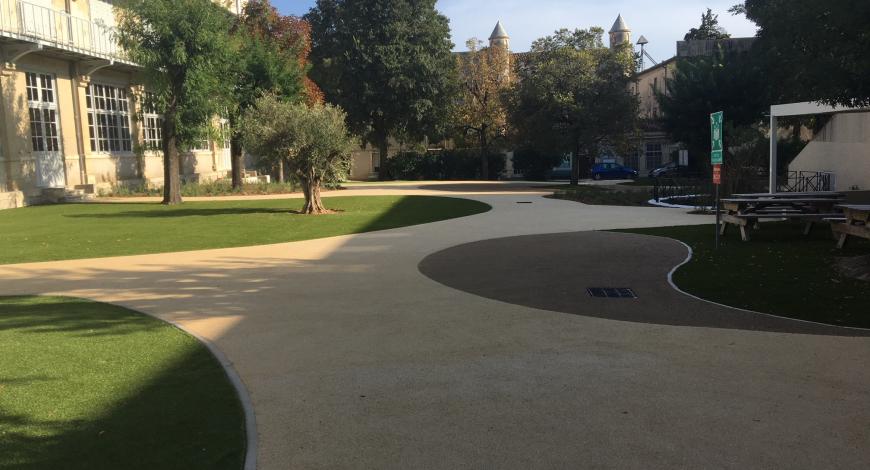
column 252, row 437
column 688, row 259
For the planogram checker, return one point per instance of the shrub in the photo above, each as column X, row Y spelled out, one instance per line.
column 534, row 164
column 461, row 164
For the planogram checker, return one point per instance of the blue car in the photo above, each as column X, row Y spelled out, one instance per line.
column 612, row 171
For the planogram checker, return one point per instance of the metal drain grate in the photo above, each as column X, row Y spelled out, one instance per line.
column 611, row 292
column 524, row 202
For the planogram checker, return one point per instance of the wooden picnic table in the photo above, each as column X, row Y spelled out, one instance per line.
column 857, row 223
column 747, row 211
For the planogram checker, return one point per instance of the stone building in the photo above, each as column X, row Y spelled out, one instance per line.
column 71, row 104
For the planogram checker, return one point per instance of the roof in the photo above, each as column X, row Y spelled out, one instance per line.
column 499, row 32
column 619, row 26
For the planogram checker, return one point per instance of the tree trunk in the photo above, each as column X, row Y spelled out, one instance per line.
column 484, row 155
column 236, row 155
column 311, row 189
column 575, row 164
column 281, row 170
column 171, row 161
column 383, row 152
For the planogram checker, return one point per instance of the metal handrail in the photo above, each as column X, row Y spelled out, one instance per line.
column 58, row 28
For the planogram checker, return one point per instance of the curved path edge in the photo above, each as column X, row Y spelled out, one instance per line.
column 690, row 256
column 251, row 436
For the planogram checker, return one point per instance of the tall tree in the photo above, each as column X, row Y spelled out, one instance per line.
column 734, row 83
column 573, row 95
column 388, row 63
column 709, row 28
column 273, row 53
column 484, row 76
column 185, row 50
column 313, row 140
column 815, row 50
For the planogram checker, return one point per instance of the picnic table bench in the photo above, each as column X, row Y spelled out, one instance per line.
column 745, row 210
column 856, row 223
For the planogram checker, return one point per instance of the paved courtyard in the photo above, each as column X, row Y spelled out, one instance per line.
column 495, row 358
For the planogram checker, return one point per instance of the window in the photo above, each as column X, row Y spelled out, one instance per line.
column 153, row 123
column 653, row 155
column 201, row 145
column 108, row 119
column 42, row 106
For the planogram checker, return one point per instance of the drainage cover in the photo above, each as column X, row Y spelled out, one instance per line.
column 612, row 292
column 524, row 202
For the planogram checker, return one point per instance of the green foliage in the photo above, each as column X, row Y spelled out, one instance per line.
column 186, row 54
column 388, row 63
column 535, row 164
column 312, row 140
column 709, row 28
column 269, row 48
column 573, row 96
column 462, row 164
column 212, row 188
column 815, row 50
column 733, row 83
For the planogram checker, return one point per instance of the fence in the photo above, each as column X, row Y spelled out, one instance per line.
column 691, row 191
column 807, row 181
column 60, row 29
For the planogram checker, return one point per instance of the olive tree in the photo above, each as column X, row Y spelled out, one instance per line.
column 312, row 140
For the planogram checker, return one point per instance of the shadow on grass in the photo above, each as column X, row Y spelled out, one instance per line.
column 166, row 213
column 71, row 317
column 186, row 416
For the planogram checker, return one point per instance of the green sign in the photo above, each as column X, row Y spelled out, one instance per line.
column 716, row 131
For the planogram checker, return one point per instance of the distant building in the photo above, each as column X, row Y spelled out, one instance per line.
column 72, row 103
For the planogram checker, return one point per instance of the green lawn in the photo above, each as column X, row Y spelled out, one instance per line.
column 779, row 272
column 602, row 195
column 91, row 386
column 75, row 231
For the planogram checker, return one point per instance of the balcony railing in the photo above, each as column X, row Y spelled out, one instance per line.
column 56, row 28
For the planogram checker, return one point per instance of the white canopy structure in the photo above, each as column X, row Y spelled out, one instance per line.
column 795, row 109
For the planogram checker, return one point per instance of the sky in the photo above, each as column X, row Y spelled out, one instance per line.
column 662, row 22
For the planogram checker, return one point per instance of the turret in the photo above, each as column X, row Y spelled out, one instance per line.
column 620, row 33
column 499, row 37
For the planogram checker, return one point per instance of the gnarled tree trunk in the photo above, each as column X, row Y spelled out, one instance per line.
column 311, row 188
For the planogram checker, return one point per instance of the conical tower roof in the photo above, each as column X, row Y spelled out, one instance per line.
column 619, row 26
column 499, row 32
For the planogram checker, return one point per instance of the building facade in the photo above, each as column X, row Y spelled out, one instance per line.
column 73, row 119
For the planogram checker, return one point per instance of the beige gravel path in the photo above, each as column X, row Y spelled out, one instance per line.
column 354, row 359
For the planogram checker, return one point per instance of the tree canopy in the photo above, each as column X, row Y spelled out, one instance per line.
column 485, row 74
column 815, row 50
column 709, row 28
column 272, row 58
column 573, row 95
column 388, row 63
column 312, row 140
column 734, row 83
column 186, row 54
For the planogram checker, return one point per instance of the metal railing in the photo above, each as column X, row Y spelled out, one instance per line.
column 807, row 181
column 28, row 21
column 696, row 190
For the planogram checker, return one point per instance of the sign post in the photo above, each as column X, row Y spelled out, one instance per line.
column 716, row 159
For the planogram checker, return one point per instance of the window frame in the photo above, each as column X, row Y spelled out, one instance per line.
column 109, row 119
